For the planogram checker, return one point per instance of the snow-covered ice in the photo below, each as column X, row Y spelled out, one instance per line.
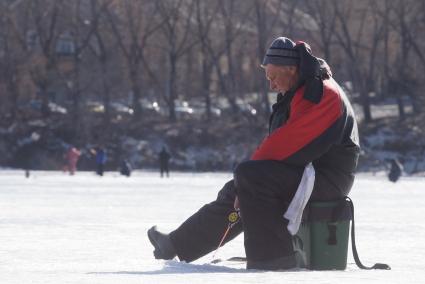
column 56, row 228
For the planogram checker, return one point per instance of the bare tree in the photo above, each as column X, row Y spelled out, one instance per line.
column 100, row 47
column 325, row 17
column 45, row 17
column 399, row 19
column 205, row 14
column 393, row 77
column 234, row 15
column 11, row 53
column 267, row 15
column 132, row 27
column 360, row 44
column 81, row 31
column 177, row 17
column 407, row 23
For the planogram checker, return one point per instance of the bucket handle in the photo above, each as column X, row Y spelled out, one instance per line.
column 353, row 245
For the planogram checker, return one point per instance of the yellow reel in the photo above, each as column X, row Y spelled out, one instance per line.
column 233, row 217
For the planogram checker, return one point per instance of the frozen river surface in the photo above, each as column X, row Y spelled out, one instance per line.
column 56, row 228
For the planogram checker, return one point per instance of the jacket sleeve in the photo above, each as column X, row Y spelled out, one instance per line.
column 309, row 132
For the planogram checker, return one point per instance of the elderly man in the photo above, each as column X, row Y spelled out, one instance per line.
column 312, row 123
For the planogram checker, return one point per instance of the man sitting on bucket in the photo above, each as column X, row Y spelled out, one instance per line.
column 312, row 126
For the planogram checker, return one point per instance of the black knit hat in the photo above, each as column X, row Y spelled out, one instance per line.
column 282, row 52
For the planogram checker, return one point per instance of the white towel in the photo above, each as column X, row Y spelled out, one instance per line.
column 298, row 203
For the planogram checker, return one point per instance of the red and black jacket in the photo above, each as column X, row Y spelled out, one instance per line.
column 310, row 129
column 324, row 133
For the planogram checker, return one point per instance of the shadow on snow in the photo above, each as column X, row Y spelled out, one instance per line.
column 176, row 267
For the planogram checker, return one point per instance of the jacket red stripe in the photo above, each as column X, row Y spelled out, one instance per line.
column 306, row 122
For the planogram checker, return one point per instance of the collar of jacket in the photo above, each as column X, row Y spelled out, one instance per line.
column 313, row 71
column 283, row 98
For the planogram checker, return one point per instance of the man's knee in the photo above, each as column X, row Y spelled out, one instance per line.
column 227, row 193
column 266, row 175
column 246, row 174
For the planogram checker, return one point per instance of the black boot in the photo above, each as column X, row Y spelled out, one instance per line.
column 281, row 263
column 164, row 249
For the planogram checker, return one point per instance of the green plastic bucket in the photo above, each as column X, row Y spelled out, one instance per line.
column 322, row 240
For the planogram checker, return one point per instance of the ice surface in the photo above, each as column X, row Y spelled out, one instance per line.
column 56, row 228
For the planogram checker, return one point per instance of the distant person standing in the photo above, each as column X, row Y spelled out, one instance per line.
column 395, row 170
column 125, row 168
column 101, row 159
column 26, row 150
column 164, row 159
column 71, row 157
column 25, row 155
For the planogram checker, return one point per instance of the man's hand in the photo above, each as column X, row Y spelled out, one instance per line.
column 236, row 203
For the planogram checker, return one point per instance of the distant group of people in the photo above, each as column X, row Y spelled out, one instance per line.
column 72, row 155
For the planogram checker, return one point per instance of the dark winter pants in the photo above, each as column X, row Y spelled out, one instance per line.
column 264, row 188
column 164, row 169
column 99, row 169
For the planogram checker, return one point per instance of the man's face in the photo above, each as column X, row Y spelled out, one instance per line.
column 281, row 78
